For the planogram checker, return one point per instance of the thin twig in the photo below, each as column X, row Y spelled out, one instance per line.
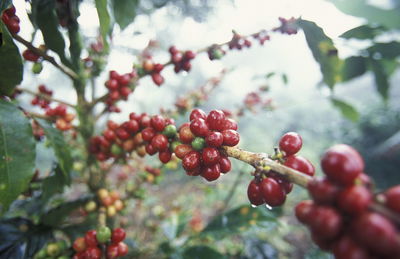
column 44, row 96
column 38, row 115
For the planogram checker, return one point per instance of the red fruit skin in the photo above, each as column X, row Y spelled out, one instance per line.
column 392, row 196
column 160, row 142
column 150, row 149
column 198, row 114
column 189, row 55
column 92, row 253
column 114, row 74
column 231, row 138
column 112, row 125
column 342, row 163
column 90, row 238
column 157, row 78
column 165, row 156
column 230, row 124
column 118, row 235
column 327, row 223
column 30, row 56
column 322, row 243
column 216, row 120
column 199, row 127
column 125, row 92
column 224, row 164
column 354, row 199
column 304, row 211
column 290, row 143
column 197, row 171
column 182, row 150
column 122, row 249
column 122, row 134
column 347, row 248
column 272, row 192
column 109, row 135
column 132, row 126
column 112, row 251
column 148, row 134
column 214, row 139
column 112, row 84
column 323, row 191
column 301, row 164
column 79, row 244
column 185, row 134
column 145, row 121
column 191, row 161
column 286, row 186
column 124, row 80
column 158, row 122
column 210, row 156
column 374, row 231
column 254, row 193
column 134, row 116
column 211, row 173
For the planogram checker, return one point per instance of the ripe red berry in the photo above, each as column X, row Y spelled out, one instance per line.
column 198, row 114
column 29, row 55
column 145, row 121
column 272, row 192
column 158, row 79
column 122, row 249
column 342, row 164
column 158, row 68
column 114, row 74
column 122, row 134
column 165, row 156
column 290, row 143
column 254, row 193
column 109, row 135
column 301, row 164
column 347, row 248
column 189, row 55
column 214, row 139
column 158, row 122
column 112, row 125
column 199, row 127
column 327, row 222
column 185, row 134
column 230, row 124
column 112, row 251
column 150, row 149
column 231, row 137
column 224, row 164
column 354, row 199
column 92, row 253
column 216, row 120
column 191, row 161
column 148, row 134
column 392, row 196
column 182, row 150
column 304, row 211
column 90, row 238
column 323, row 191
column 112, row 84
column 79, row 244
column 160, row 142
column 211, row 173
column 195, row 172
column 124, row 80
column 125, row 92
column 286, row 185
column 118, row 235
column 132, row 126
column 210, row 156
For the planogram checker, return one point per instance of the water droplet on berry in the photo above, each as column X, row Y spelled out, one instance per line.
column 253, row 206
column 268, row 207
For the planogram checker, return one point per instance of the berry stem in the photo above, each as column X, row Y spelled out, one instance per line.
column 45, row 96
column 38, row 115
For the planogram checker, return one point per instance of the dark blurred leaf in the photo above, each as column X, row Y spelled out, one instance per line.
column 389, row 18
column 202, row 252
column 4, row 4
column 353, row 67
column 57, row 141
column 17, row 153
column 240, row 219
column 346, row 109
column 104, row 18
column 124, row 11
column 270, row 74
column 284, row 79
column 363, row 32
column 11, row 68
column 324, row 52
column 389, row 50
column 259, row 249
column 381, row 78
column 53, row 184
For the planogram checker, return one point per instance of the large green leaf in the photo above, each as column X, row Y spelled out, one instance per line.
column 240, row 219
column 363, row 32
column 56, row 140
column 389, row 18
column 17, row 153
column 11, row 68
column 104, row 18
column 324, row 52
column 381, row 78
column 353, row 67
column 4, row 4
column 46, row 20
column 54, row 184
column 388, row 50
column 346, row 109
column 202, row 252
column 124, row 11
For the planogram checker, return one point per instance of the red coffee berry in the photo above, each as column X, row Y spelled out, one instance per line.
column 122, row 249
column 134, row 116
column 90, row 238
column 211, row 173
column 210, row 156
column 198, row 114
column 254, row 193
column 114, row 74
column 112, row 251
column 132, row 126
column 272, row 192
column 231, row 137
column 301, row 164
column 322, row 243
column 109, row 135
column 304, row 211
column 29, row 55
column 216, row 120
column 323, row 191
column 112, row 125
column 145, row 121
column 354, row 199
column 160, row 142
column 342, row 164
column 112, row 84
column 189, row 55
column 392, row 196
column 199, row 127
column 125, row 92
column 165, row 156
column 158, row 122
column 150, row 149
column 327, row 222
column 224, row 164
column 347, row 248
column 185, row 134
column 191, row 161
column 229, row 124
column 122, row 134
column 118, row 235
column 290, row 143
column 195, row 172
column 182, row 150
column 148, row 134
column 124, row 80
column 92, row 253
column 158, row 79
column 214, row 139
column 79, row 244
column 286, row 185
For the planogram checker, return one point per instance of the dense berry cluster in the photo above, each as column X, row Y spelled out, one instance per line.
column 181, row 59
column 338, row 215
column 262, row 37
column 202, row 140
column 119, row 87
column 111, row 200
column 288, row 26
column 40, row 101
column 269, row 187
column 56, row 250
column 239, row 42
column 90, row 246
column 11, row 20
column 62, row 117
column 153, row 69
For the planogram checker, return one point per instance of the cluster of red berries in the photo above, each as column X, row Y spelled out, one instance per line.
column 202, row 140
column 338, row 215
column 39, row 101
column 119, row 88
column 181, row 60
column 29, row 55
column 11, row 20
column 90, row 246
column 62, row 117
column 262, row 37
column 239, row 42
column 270, row 188
column 288, row 26
column 154, row 69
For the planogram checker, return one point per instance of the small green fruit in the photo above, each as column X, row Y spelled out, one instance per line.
column 103, row 234
column 37, row 68
column 169, row 131
column 198, row 143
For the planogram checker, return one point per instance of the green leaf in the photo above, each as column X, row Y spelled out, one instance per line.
column 346, row 109
column 202, row 252
column 124, row 11
column 56, row 216
column 11, row 67
column 4, row 5
column 17, row 153
column 324, row 52
column 363, row 32
column 104, row 18
column 240, row 219
column 56, row 139
column 381, row 78
column 353, row 67
column 388, row 50
column 54, row 184
column 46, row 20
column 269, row 75
column 284, row 79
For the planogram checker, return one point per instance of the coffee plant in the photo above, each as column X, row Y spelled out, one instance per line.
column 103, row 197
